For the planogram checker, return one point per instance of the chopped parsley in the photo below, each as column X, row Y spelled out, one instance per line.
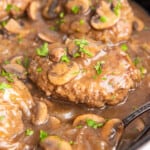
column 65, row 58
column 117, row 8
column 79, row 126
column 4, row 86
column 8, row 76
column 81, row 43
column 3, row 23
column 76, row 54
column 81, row 21
column 61, row 15
column 71, row 142
column 2, row 117
column 136, row 61
column 43, row 135
column 75, row 9
column 103, row 19
column 26, row 62
column 98, row 67
column 10, row 7
column 52, row 28
column 143, row 70
column 39, row 69
column 29, row 132
column 93, row 124
column 124, row 47
column 43, row 50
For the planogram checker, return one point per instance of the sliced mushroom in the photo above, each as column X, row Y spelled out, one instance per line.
column 16, row 69
column 54, row 122
column 112, row 131
column 83, row 118
column 16, row 60
column 51, row 9
column 41, row 116
column 62, row 73
column 49, row 36
column 82, row 5
column 14, row 27
column 138, row 24
column 33, row 10
column 57, row 53
column 55, row 143
column 105, row 16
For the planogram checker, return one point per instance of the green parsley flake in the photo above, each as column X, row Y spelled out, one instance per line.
column 93, row 124
column 2, row 117
column 71, row 142
column 136, row 61
column 43, row 135
column 103, row 19
column 124, row 47
column 81, row 43
column 4, row 86
column 76, row 54
column 3, row 23
column 98, row 67
column 43, row 50
column 52, row 28
column 29, row 132
column 65, row 58
column 75, row 9
column 81, row 21
column 10, row 7
column 39, row 69
column 26, row 62
column 117, row 8
column 143, row 70
column 61, row 15
column 8, row 76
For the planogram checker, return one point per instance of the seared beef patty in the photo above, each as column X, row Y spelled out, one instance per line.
column 90, row 72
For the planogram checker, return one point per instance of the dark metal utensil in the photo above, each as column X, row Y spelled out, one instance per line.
column 136, row 113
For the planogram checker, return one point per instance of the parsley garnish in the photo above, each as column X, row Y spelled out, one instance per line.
column 75, row 9
column 136, row 61
column 4, row 86
column 81, row 43
column 81, row 21
column 103, row 19
column 39, row 69
column 65, row 58
column 10, row 7
column 43, row 135
column 98, row 67
column 117, row 9
column 93, row 124
column 26, row 62
column 124, row 47
column 2, row 117
column 7, row 75
column 61, row 15
column 43, row 50
column 29, row 132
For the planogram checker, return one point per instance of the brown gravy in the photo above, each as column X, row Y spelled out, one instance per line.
column 66, row 111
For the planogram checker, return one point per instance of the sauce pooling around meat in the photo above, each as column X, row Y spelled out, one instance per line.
column 55, row 54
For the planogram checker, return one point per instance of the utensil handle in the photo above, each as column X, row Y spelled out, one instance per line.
column 136, row 113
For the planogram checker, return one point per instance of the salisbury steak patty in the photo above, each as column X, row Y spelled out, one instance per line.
column 84, row 72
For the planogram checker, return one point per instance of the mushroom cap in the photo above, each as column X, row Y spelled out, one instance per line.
column 33, row 10
column 84, row 5
column 112, row 131
column 83, row 118
column 55, row 142
column 109, row 17
column 61, row 73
